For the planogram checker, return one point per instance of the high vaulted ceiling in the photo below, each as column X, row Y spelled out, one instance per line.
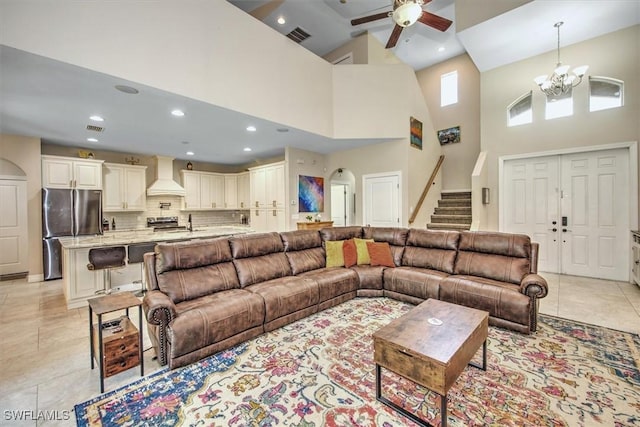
column 52, row 100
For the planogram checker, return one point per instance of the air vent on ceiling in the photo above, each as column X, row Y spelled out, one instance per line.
column 298, row 35
column 95, row 128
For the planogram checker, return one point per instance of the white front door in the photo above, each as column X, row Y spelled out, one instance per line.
column 531, row 188
column 13, row 227
column 595, row 203
column 339, row 204
column 576, row 206
column 381, row 200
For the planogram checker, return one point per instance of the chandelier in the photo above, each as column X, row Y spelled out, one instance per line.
column 406, row 12
column 561, row 81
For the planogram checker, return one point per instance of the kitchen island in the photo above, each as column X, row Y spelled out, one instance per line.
column 80, row 284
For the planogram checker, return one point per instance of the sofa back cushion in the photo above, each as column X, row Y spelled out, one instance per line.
column 499, row 256
column 340, row 233
column 395, row 236
column 259, row 257
column 189, row 270
column 303, row 249
column 432, row 249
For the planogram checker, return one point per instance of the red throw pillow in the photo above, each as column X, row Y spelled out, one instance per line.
column 349, row 252
column 380, row 254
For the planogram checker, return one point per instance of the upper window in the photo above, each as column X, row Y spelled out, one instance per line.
column 449, row 88
column 559, row 106
column 605, row 93
column 520, row 111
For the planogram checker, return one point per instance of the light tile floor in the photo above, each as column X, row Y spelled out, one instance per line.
column 44, row 348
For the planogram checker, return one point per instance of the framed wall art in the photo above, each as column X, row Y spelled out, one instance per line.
column 310, row 193
column 415, row 137
column 449, row 136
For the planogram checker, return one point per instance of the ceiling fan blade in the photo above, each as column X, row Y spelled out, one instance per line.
column 369, row 18
column 395, row 35
column 435, row 21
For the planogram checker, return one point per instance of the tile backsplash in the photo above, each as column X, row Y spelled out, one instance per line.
column 171, row 207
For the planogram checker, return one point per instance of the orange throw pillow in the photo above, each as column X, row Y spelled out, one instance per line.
column 349, row 253
column 380, row 254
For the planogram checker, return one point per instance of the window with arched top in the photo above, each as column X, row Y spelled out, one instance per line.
column 605, row 93
column 520, row 111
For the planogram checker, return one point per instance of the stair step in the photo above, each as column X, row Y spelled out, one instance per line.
column 457, row 227
column 456, row 195
column 456, row 210
column 454, row 203
column 451, row 219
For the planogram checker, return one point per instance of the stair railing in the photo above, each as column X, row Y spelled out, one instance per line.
column 427, row 187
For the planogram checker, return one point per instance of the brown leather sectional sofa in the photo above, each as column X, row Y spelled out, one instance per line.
column 208, row 295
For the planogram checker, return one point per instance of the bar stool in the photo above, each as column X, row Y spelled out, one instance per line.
column 136, row 253
column 105, row 259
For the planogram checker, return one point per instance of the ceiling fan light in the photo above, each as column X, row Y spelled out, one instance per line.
column 407, row 14
column 569, row 79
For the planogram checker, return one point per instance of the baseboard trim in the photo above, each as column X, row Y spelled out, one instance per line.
column 35, row 278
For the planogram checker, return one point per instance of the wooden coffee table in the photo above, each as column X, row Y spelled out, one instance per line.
column 431, row 345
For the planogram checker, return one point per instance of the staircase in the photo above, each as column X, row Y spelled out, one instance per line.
column 453, row 212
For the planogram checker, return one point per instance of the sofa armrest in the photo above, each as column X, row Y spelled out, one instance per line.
column 158, row 308
column 534, row 285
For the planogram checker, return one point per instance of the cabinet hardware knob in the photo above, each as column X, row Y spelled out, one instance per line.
column 123, row 347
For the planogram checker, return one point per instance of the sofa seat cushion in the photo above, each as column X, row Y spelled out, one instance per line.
column 213, row 318
column 501, row 299
column 413, row 281
column 370, row 277
column 333, row 282
column 286, row 295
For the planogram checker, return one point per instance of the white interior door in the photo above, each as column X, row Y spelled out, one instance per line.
column 339, row 204
column 595, row 203
column 13, row 227
column 576, row 206
column 381, row 200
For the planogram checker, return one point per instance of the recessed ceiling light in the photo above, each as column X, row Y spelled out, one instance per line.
column 189, row 153
column 281, row 20
column 251, row 128
column 441, row 49
column 246, row 149
column 92, row 140
column 96, row 118
column 127, row 89
column 177, row 113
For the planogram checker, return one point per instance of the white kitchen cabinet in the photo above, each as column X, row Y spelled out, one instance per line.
column 124, row 188
column 268, row 187
column 231, row 191
column 68, row 172
column 79, row 283
column 263, row 220
column 244, row 190
column 204, row 190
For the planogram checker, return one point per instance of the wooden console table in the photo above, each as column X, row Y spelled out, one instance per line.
column 314, row 225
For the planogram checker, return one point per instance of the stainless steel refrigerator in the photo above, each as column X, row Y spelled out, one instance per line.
column 67, row 212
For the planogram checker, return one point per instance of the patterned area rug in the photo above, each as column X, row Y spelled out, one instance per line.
column 319, row 371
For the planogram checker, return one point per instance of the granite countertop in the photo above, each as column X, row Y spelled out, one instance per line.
column 127, row 237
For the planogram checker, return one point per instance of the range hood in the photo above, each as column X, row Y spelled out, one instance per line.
column 164, row 185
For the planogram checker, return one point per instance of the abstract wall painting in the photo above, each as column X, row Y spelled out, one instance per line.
column 415, row 136
column 310, row 194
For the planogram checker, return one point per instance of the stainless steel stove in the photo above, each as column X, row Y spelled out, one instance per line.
column 165, row 223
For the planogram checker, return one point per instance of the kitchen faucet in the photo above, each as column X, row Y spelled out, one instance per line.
column 190, row 227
